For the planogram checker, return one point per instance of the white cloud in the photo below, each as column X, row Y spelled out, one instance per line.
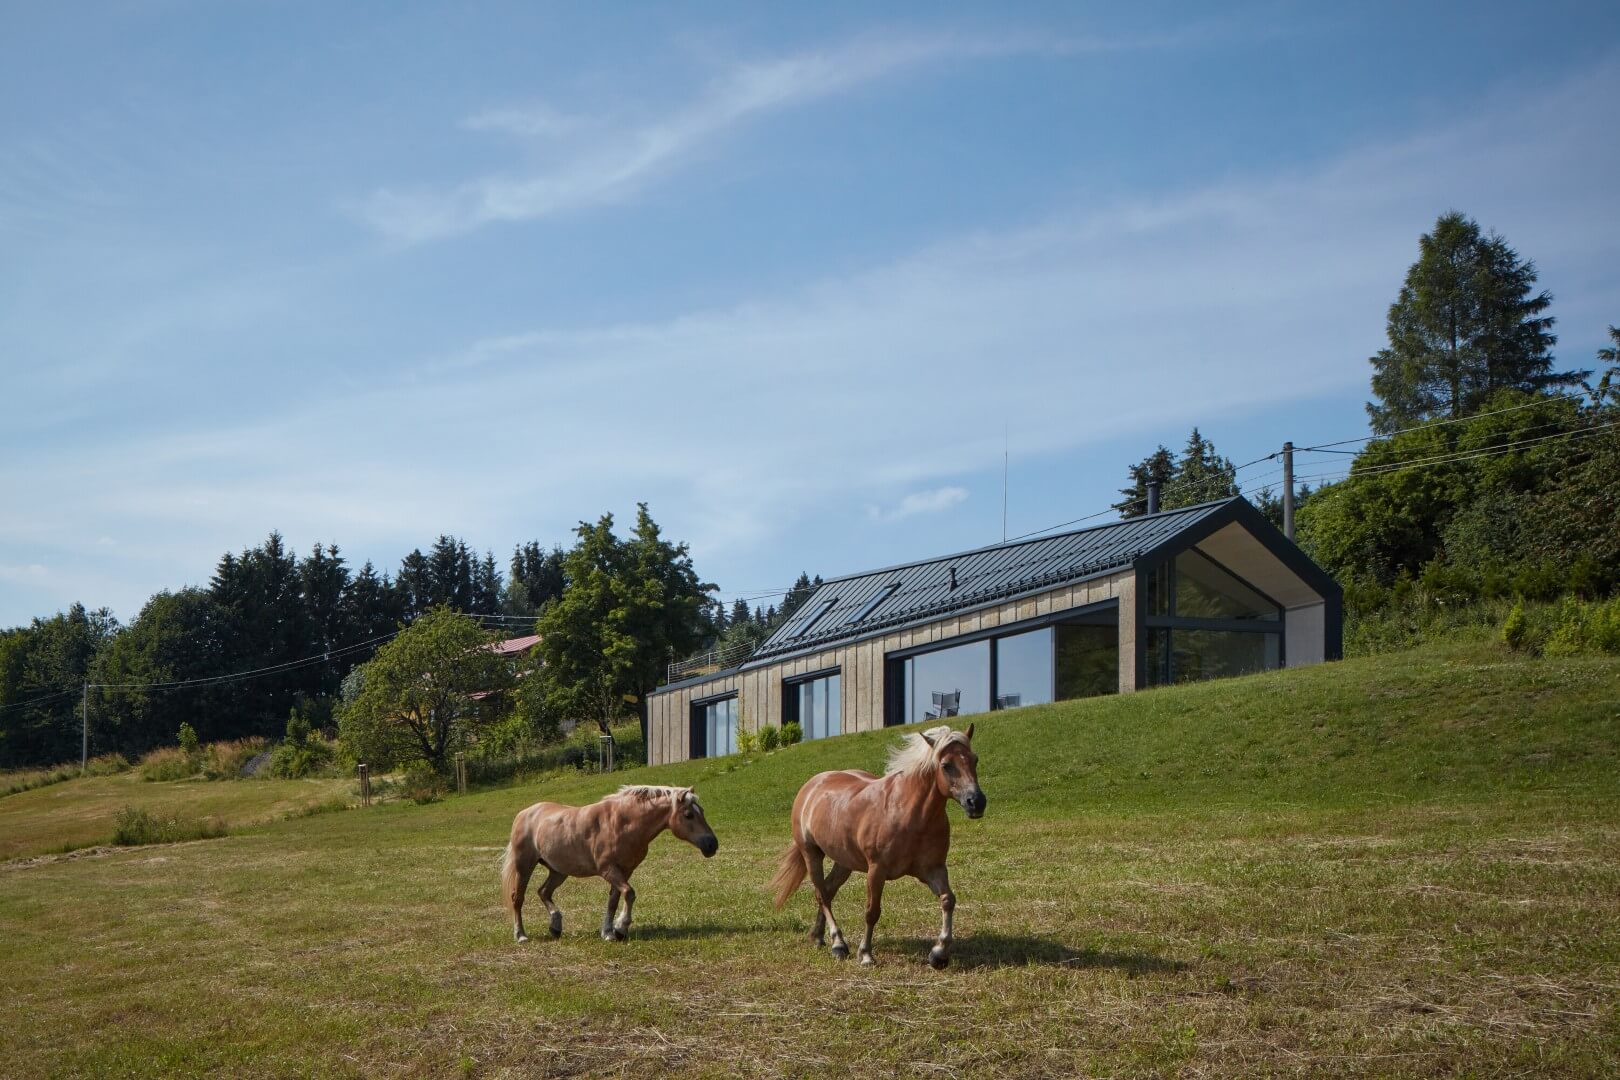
column 920, row 502
column 613, row 160
column 745, row 425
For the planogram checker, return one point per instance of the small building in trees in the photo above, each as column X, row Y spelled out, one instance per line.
column 1194, row 593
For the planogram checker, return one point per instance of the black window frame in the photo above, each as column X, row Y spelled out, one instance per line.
column 697, row 731
column 1162, row 574
column 790, row 694
column 1102, row 613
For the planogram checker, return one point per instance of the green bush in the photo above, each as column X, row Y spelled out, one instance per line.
column 135, row 826
column 1570, row 628
column 423, row 784
column 1516, row 627
column 188, row 740
column 791, row 733
column 769, row 737
column 296, row 760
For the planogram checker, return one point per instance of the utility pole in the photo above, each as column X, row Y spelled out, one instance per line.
column 84, row 716
column 1288, row 489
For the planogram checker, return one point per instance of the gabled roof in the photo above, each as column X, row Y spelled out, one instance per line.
column 857, row 605
column 515, row 646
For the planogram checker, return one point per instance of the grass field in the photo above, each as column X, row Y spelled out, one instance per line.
column 1404, row 865
column 81, row 813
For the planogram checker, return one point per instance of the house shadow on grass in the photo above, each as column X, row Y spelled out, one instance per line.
column 992, row 950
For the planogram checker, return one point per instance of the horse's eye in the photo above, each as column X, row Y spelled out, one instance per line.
column 950, row 769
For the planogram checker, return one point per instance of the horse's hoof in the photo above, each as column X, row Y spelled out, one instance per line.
column 840, row 951
column 868, row 960
column 521, row 938
column 556, row 926
column 620, row 935
column 938, row 958
column 607, row 935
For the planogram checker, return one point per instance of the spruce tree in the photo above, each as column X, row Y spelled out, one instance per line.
column 1466, row 324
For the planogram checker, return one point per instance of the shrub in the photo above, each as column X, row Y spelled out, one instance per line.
column 769, row 737
column 167, row 763
column 423, row 784
column 1571, row 628
column 135, row 826
column 296, row 760
column 107, row 765
column 1516, row 628
column 791, row 733
column 225, row 760
column 188, row 740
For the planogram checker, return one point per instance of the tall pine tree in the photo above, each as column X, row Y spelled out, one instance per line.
column 1467, row 323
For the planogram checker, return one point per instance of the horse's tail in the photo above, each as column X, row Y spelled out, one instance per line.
column 512, row 883
column 789, row 873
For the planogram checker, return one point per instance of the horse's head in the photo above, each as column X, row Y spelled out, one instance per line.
column 686, row 821
column 956, row 768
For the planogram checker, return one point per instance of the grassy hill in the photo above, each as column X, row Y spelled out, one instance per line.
column 1402, row 865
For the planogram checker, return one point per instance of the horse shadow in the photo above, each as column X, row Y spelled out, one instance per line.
column 679, row 931
column 993, row 950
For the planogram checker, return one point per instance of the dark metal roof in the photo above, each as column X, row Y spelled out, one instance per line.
column 920, row 591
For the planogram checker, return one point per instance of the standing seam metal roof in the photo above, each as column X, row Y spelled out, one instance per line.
column 933, row 587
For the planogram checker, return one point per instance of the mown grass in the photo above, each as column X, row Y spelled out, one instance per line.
column 14, row 780
column 1404, row 865
column 81, row 813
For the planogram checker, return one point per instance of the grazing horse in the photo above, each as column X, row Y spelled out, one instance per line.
column 607, row 839
column 890, row 828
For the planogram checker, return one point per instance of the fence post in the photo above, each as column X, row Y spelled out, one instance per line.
column 461, row 774
column 605, row 752
column 365, row 785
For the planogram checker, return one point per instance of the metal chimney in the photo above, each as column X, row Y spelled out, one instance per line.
column 1153, row 497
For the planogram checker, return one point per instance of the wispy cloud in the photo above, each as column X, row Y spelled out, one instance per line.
column 1137, row 318
column 920, row 502
column 610, row 161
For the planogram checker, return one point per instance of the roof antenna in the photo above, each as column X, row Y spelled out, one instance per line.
column 1004, row 455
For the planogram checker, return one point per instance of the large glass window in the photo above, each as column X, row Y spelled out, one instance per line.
column 1182, row 655
column 947, row 683
column 720, row 727
column 1087, row 660
column 1205, row 591
column 816, row 704
column 1024, row 669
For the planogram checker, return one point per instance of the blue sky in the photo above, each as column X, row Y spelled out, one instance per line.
column 367, row 273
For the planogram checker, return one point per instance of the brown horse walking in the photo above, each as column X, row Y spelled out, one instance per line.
column 607, row 839
column 890, row 828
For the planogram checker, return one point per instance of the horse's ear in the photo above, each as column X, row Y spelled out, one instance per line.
column 970, row 733
column 927, row 737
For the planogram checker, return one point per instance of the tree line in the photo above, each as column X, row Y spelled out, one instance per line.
column 272, row 632
column 1489, row 473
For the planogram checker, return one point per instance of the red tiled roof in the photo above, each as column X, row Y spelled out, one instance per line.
column 513, row 646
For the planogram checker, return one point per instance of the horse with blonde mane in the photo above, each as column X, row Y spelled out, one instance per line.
column 889, row 828
column 607, row 839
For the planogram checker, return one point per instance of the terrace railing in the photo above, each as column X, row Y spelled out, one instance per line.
column 710, row 662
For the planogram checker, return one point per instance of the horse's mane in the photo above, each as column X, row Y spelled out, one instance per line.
column 915, row 753
column 655, row 792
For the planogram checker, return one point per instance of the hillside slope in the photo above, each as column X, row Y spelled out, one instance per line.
column 1405, row 865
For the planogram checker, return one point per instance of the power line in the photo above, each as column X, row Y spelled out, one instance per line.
column 36, row 701
column 1466, row 455
column 1429, row 424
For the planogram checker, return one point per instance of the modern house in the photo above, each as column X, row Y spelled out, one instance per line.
column 1194, row 593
